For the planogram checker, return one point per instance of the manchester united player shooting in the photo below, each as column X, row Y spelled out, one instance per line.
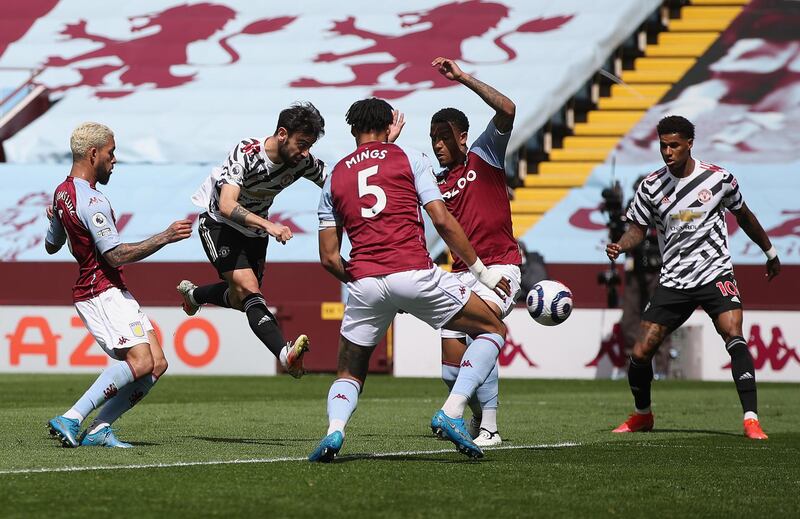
column 686, row 201
column 474, row 190
column 83, row 215
column 374, row 195
column 234, row 228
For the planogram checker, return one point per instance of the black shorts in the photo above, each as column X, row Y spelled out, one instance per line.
column 228, row 249
column 671, row 307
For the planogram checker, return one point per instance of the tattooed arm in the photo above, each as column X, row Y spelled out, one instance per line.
column 633, row 236
column 503, row 107
column 132, row 252
column 231, row 209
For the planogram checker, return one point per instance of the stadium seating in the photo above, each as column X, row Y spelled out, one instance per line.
column 656, row 68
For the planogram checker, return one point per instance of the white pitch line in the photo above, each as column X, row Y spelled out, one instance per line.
column 376, row 455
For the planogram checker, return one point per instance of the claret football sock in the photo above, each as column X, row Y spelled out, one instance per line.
column 477, row 363
column 640, row 378
column 263, row 323
column 744, row 373
column 107, row 385
column 216, row 294
column 342, row 402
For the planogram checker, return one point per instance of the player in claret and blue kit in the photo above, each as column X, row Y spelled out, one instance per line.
column 82, row 217
column 473, row 186
column 375, row 194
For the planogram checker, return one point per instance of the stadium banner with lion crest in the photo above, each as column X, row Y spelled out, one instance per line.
column 184, row 81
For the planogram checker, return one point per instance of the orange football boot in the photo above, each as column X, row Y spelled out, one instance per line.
column 636, row 423
column 752, row 429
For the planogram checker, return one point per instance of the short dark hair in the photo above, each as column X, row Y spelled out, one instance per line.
column 676, row 124
column 451, row 116
column 302, row 117
column 369, row 115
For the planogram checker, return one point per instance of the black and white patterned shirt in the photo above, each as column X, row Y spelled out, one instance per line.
column 260, row 180
column 689, row 215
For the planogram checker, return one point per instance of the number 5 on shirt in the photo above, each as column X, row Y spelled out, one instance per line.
column 365, row 189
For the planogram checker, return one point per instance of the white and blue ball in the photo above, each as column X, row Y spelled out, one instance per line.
column 549, row 302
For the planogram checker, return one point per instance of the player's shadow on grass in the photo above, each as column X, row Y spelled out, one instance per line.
column 402, row 436
column 409, row 457
column 145, row 444
column 697, row 431
column 275, row 442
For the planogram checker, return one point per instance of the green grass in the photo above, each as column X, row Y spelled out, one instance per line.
column 696, row 463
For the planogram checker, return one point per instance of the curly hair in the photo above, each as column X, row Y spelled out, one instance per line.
column 369, row 115
column 451, row 116
column 302, row 117
column 676, row 124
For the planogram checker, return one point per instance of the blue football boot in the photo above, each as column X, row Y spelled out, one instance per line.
column 328, row 448
column 65, row 429
column 104, row 437
column 455, row 430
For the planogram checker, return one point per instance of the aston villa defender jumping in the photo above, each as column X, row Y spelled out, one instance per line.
column 686, row 201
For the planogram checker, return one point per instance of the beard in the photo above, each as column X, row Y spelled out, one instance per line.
column 286, row 158
column 102, row 176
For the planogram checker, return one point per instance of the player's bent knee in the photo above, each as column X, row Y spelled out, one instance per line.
column 160, row 367
column 140, row 359
column 642, row 352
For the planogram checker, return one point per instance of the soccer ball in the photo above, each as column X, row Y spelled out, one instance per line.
column 549, row 302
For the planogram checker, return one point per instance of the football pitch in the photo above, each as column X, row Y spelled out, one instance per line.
column 236, row 446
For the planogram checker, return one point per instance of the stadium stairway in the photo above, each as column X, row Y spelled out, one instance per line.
column 686, row 38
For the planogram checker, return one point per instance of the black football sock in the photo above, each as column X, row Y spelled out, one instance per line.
column 640, row 377
column 216, row 294
column 263, row 323
column 744, row 373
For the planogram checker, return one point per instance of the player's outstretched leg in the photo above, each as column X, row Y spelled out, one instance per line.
column 110, row 381
column 744, row 376
column 342, row 402
column 476, row 364
column 640, row 378
column 481, row 424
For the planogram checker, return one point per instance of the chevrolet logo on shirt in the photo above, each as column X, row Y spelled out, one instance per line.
column 687, row 215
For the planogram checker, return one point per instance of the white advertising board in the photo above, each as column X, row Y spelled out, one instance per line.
column 52, row 339
column 589, row 345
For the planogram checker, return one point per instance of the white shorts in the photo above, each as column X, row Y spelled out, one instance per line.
column 505, row 303
column 115, row 320
column 432, row 295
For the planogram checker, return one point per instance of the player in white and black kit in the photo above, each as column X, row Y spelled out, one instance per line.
column 234, row 228
column 686, row 201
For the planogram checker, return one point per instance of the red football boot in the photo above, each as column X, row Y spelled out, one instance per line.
column 636, row 423
column 752, row 429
